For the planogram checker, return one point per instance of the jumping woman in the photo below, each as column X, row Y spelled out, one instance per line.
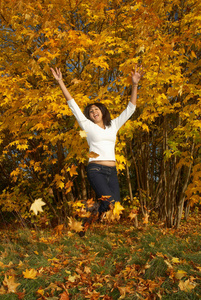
column 101, row 137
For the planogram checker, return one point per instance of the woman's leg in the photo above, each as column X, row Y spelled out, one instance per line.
column 104, row 181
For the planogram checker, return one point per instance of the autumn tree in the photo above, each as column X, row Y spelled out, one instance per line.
column 97, row 44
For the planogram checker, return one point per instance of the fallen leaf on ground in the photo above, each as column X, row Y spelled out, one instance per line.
column 179, row 274
column 186, row 285
column 30, row 274
column 64, row 296
column 10, row 283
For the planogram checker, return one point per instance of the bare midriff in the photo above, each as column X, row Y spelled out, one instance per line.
column 108, row 163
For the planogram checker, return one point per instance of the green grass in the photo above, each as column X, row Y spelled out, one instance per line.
column 108, row 261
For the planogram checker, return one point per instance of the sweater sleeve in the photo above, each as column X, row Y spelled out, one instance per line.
column 125, row 115
column 80, row 117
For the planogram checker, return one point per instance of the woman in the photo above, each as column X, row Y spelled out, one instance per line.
column 101, row 136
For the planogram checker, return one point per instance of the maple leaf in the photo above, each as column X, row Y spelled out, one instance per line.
column 68, row 186
column 64, row 296
column 92, row 155
column 58, row 229
column 83, row 133
column 90, row 202
column 133, row 214
column 75, row 225
column 118, row 208
column 104, row 198
column 145, row 219
column 37, row 206
column 30, row 274
column 73, row 170
column 180, row 274
column 10, row 283
column 186, row 285
column 175, row 260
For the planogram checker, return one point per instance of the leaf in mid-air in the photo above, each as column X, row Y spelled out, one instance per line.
column 118, row 208
column 37, row 206
column 92, row 155
column 83, row 133
column 75, row 225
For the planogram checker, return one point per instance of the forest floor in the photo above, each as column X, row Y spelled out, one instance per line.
column 116, row 261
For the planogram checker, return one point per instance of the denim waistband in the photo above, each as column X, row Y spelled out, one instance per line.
column 103, row 167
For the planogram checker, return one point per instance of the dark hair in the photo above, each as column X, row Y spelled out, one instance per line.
column 104, row 110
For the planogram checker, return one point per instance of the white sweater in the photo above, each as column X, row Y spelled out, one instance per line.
column 101, row 141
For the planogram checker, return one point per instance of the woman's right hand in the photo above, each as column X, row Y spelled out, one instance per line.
column 57, row 73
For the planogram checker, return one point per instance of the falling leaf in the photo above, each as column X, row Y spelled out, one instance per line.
column 186, row 285
column 58, row 229
column 75, row 225
column 118, row 208
column 104, row 198
column 10, row 283
column 30, row 274
column 37, row 206
column 68, row 186
column 83, row 133
column 92, row 155
column 132, row 214
column 145, row 219
column 73, row 171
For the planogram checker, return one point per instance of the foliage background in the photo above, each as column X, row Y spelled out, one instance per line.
column 42, row 154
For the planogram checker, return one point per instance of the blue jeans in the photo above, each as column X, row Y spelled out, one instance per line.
column 104, row 181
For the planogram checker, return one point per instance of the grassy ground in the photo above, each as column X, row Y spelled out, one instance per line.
column 109, row 262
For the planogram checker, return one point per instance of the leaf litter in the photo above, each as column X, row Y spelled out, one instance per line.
column 112, row 261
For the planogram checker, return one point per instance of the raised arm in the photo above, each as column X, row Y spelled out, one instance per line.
column 58, row 76
column 135, row 76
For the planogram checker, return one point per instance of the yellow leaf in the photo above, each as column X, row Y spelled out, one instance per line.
column 68, row 186
column 72, row 278
column 92, row 155
column 75, row 225
column 117, row 208
column 37, row 206
column 30, row 274
column 180, row 274
column 175, row 260
column 132, row 214
column 73, row 170
column 145, row 219
column 186, row 285
column 83, row 133
column 10, row 283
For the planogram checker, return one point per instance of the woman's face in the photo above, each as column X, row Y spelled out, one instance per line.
column 95, row 114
